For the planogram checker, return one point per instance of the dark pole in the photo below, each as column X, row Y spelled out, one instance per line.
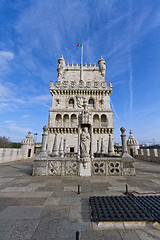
column 77, row 235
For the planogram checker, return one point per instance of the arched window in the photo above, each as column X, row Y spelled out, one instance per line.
column 96, row 120
column 73, row 119
column 71, row 101
column 103, row 120
column 58, row 119
column 91, row 101
column 66, row 120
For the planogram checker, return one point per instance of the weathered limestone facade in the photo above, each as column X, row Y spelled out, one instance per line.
column 80, row 126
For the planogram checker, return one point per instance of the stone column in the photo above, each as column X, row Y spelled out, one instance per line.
column 55, row 147
column 91, row 143
column 64, row 146
column 123, row 140
column 97, row 146
column 44, row 139
column 110, row 146
column 102, row 148
column 78, row 143
column 61, row 153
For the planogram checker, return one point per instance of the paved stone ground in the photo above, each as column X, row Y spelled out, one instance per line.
column 42, row 208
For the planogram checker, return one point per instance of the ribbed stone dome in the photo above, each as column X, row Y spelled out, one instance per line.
column 131, row 140
column 28, row 140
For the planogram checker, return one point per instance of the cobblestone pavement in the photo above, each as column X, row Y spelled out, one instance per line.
column 49, row 207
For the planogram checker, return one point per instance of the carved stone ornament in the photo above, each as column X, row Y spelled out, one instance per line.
column 79, row 101
column 71, row 168
column 54, row 168
column 99, row 168
column 114, row 168
column 85, row 143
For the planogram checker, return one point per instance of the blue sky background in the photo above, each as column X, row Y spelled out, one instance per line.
column 34, row 34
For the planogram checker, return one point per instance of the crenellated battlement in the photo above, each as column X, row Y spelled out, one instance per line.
column 151, row 155
column 76, row 65
column 64, row 69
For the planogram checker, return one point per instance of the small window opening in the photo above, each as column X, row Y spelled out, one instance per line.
column 29, row 152
column 71, row 101
column 71, row 149
column 91, row 101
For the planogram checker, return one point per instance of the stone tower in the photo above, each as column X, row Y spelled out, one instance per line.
column 80, row 126
column 72, row 90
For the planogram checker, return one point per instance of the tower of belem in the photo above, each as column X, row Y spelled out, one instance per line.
column 75, row 88
column 80, row 126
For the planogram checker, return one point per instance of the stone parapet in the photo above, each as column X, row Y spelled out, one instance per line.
column 10, row 154
column 151, row 155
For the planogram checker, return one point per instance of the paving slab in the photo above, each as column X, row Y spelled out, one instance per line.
column 148, row 234
column 55, row 212
column 5, row 225
column 21, row 212
column 25, row 194
column 90, row 235
column 52, row 201
column 5, row 180
column 67, row 228
column 129, row 235
column 112, row 235
column 21, row 230
column 46, row 229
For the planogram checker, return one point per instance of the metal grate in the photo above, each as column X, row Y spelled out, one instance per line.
column 123, row 208
column 152, row 204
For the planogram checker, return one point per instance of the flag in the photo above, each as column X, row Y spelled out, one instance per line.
column 79, row 45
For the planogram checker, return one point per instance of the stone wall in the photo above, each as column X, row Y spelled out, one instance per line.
column 151, row 155
column 12, row 154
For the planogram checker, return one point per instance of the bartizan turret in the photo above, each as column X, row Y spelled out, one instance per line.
column 102, row 66
column 61, row 66
column 132, row 145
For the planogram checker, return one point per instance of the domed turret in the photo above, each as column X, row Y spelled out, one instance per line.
column 27, row 146
column 102, row 66
column 61, row 66
column 132, row 145
column 28, row 139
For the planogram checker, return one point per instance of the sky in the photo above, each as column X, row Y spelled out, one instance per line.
column 34, row 34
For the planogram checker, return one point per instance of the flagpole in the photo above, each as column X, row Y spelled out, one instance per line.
column 81, row 77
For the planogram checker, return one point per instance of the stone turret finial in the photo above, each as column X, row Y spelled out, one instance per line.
column 44, row 139
column 102, row 66
column 131, row 140
column 123, row 139
column 110, row 147
column 45, row 128
column 61, row 66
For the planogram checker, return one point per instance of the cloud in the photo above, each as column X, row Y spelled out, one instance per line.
column 25, row 116
column 13, row 126
column 8, row 100
column 5, row 58
column 43, row 99
column 114, row 111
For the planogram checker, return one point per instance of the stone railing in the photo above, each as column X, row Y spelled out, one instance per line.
column 151, row 155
